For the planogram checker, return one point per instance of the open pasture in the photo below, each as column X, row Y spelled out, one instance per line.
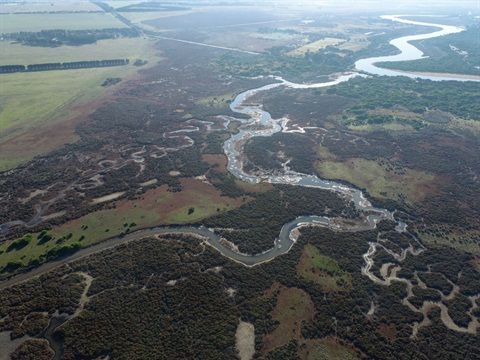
column 10, row 23
column 35, row 104
column 104, row 49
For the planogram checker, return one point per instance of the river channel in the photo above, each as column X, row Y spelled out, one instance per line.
column 233, row 148
column 264, row 125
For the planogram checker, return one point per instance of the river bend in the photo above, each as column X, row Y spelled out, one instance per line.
column 233, row 148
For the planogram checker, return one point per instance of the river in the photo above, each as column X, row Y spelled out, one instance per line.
column 233, row 148
column 409, row 52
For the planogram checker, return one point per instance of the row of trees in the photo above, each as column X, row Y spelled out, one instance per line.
column 63, row 66
column 59, row 37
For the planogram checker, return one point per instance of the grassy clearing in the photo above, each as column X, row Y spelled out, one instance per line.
column 93, row 227
column 324, row 349
column 293, row 307
column 356, row 42
column 322, row 270
column 314, row 46
column 156, row 207
column 219, row 101
column 103, row 49
column 36, row 22
column 376, row 178
column 200, row 207
column 36, row 104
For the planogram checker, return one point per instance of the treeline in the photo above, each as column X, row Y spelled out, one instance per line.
column 59, row 37
column 63, row 66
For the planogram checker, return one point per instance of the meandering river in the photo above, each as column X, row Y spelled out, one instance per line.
column 233, row 148
column 409, row 52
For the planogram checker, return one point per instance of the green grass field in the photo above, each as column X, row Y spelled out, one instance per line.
column 35, row 100
column 374, row 177
column 323, row 270
column 103, row 49
column 314, row 46
column 157, row 207
column 93, row 227
column 36, row 22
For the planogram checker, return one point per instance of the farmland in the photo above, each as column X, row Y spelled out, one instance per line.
column 71, row 21
column 51, row 100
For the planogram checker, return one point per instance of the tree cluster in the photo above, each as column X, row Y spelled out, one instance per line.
column 59, row 37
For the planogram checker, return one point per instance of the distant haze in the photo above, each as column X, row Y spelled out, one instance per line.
column 375, row 5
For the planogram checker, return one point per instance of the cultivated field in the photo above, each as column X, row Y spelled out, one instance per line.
column 139, row 17
column 36, row 22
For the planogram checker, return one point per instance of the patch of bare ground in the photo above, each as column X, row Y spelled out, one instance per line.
column 245, row 340
column 149, row 182
column 108, row 197
column 293, row 307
